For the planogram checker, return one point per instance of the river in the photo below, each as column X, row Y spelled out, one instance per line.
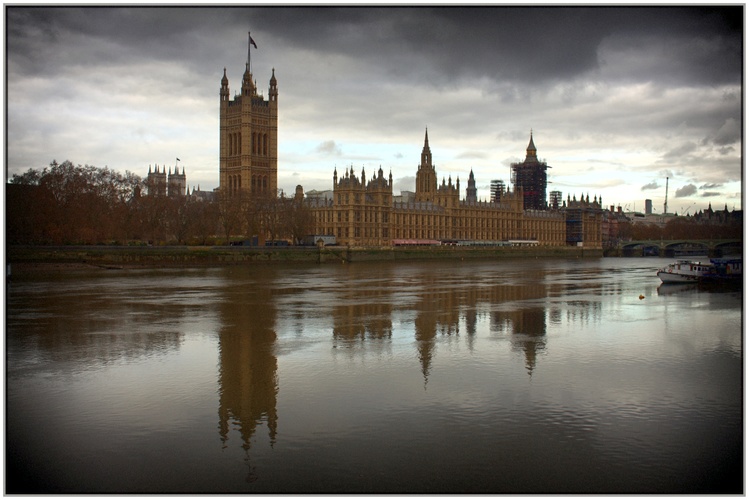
column 504, row 376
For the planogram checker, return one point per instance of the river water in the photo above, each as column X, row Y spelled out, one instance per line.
column 509, row 376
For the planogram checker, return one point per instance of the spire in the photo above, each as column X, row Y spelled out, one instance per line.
column 248, row 88
column 530, row 152
column 426, row 153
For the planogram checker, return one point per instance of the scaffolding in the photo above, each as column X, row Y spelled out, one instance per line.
column 530, row 176
column 497, row 190
column 574, row 218
column 555, row 200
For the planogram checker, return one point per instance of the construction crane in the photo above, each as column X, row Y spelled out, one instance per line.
column 665, row 202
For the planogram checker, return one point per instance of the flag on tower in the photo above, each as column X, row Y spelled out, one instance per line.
column 178, row 159
column 253, row 42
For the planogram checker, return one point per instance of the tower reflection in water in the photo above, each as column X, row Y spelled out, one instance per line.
column 248, row 380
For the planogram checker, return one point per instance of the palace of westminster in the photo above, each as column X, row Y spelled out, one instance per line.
column 363, row 211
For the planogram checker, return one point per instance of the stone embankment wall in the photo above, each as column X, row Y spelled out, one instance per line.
column 183, row 256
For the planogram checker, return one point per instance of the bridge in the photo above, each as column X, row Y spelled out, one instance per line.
column 678, row 248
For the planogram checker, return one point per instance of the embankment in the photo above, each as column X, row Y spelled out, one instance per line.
column 121, row 257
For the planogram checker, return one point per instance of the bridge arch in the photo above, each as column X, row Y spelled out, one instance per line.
column 686, row 248
column 734, row 247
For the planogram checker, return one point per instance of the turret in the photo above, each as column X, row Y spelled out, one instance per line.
column 224, row 92
column 273, row 89
column 471, row 189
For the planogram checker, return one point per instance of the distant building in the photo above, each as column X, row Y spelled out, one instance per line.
column 497, row 190
column 199, row 195
column 648, row 207
column 326, row 196
column 555, row 200
column 162, row 183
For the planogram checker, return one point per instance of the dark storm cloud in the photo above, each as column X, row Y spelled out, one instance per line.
column 519, row 43
column 522, row 44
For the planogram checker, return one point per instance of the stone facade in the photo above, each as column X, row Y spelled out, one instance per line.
column 162, row 183
column 248, row 158
column 363, row 212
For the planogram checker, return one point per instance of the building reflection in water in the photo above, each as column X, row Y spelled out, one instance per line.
column 248, row 381
column 362, row 316
column 528, row 330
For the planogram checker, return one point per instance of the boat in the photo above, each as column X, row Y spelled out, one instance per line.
column 727, row 269
column 686, row 271
column 717, row 270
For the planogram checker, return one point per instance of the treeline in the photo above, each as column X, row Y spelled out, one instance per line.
column 74, row 204
column 683, row 228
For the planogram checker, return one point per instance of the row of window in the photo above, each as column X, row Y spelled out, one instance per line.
column 259, row 143
column 259, row 183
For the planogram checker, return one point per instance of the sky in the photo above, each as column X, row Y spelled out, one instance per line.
column 618, row 98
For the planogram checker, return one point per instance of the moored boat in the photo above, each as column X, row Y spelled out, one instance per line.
column 686, row 271
column 727, row 270
column 717, row 270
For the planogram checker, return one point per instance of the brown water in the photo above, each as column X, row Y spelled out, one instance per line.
column 516, row 376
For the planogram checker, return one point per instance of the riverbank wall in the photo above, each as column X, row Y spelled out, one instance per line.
column 109, row 257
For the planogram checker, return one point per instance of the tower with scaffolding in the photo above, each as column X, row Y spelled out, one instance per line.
column 584, row 221
column 530, row 177
column 497, row 190
column 555, row 200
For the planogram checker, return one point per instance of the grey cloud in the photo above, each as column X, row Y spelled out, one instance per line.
column 685, row 191
column 470, row 155
column 710, row 194
column 407, row 183
column 439, row 43
column 329, row 148
column 650, row 185
column 729, row 133
column 711, row 185
column 680, row 151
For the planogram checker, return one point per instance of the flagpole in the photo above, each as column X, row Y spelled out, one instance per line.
column 249, row 51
